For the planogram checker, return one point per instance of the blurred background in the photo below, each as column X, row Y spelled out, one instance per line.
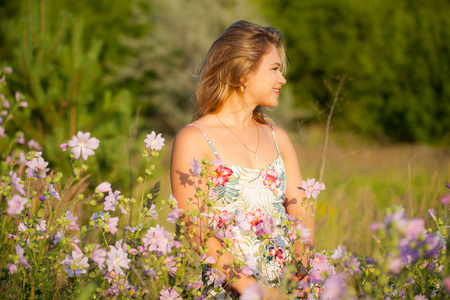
column 122, row 69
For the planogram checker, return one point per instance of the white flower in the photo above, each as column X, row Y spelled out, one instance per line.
column 83, row 145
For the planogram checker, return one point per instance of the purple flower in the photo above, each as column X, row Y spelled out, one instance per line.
column 111, row 200
column 16, row 183
column 16, row 205
column 72, row 219
column 335, row 288
column 37, row 168
column 253, row 292
column 59, row 235
column 22, row 260
column 196, row 167
column 265, row 227
column 169, row 294
column 117, row 259
column 152, row 213
column 250, row 265
column 414, row 228
column 312, row 188
column 320, row 268
column 32, row 144
column 338, row 253
column 157, row 239
column 174, row 215
column 447, row 185
column 83, row 145
column 12, row 268
column 75, row 264
column 64, row 146
column 103, row 187
column 154, row 142
column 135, row 228
column 215, row 277
column 352, row 264
column 53, row 193
column 99, row 256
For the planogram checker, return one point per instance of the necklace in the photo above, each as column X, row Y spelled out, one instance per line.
column 257, row 130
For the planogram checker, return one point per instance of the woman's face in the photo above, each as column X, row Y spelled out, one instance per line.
column 263, row 87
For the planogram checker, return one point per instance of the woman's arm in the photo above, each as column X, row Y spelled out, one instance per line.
column 294, row 197
column 188, row 144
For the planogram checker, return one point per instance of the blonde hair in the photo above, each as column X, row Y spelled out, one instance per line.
column 236, row 54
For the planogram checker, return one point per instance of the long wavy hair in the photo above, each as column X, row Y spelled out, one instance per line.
column 235, row 55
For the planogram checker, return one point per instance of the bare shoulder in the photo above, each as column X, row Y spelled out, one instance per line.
column 190, row 142
column 283, row 140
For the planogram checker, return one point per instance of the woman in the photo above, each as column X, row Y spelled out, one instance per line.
column 258, row 167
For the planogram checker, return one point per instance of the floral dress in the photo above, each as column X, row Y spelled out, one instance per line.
column 250, row 197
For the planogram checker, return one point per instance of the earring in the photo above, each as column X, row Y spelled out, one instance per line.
column 245, row 88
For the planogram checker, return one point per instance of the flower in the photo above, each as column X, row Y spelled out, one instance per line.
column 75, row 264
column 64, row 146
column 111, row 200
column 157, row 239
column 335, row 288
column 2, row 132
column 41, row 226
column 16, row 205
column 152, row 213
column 170, row 264
column 312, row 188
column 83, row 145
column 53, row 192
column 16, row 183
column 216, row 277
column 338, row 253
column 117, row 259
column 98, row 256
column 221, row 175
column 174, row 215
column 352, row 264
column 270, row 179
column 320, row 267
column 59, row 235
column 37, row 168
column 12, row 268
column 278, row 254
column 154, row 142
column 71, row 218
column 196, row 167
column 22, row 260
column 112, row 224
column 169, row 294
column 253, row 292
column 445, row 199
column 103, row 187
column 32, row 144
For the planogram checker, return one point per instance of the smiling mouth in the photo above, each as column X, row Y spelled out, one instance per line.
column 276, row 91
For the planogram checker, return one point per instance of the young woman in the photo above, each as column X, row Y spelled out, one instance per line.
column 257, row 169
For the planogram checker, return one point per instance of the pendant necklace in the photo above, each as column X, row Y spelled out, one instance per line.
column 257, row 129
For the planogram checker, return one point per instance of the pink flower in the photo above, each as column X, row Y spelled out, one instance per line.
column 99, row 256
column 53, row 192
column 72, row 219
column 64, row 146
column 83, row 145
column 117, row 259
column 32, row 144
column 75, row 264
column 445, row 199
column 16, row 183
column 312, row 188
column 270, row 179
column 37, row 168
column 2, row 132
column 157, row 239
column 22, row 260
column 152, row 212
column 112, row 224
column 41, row 226
column 395, row 265
column 154, row 142
column 59, row 235
column 253, row 292
column 414, row 228
column 447, row 284
column 12, row 268
column 111, row 200
column 208, row 260
column 174, row 215
column 338, row 253
column 221, row 175
column 320, row 268
column 170, row 264
column 103, row 187
column 16, row 205
column 169, row 294
column 216, row 277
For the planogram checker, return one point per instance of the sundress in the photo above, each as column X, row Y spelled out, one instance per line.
column 256, row 194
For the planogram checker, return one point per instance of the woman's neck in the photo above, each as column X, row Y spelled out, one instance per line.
column 236, row 113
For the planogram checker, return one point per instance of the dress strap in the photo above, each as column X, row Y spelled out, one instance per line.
column 274, row 138
column 207, row 139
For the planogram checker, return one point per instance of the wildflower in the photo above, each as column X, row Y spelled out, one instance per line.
column 112, row 224
column 420, row 297
column 53, row 193
column 169, row 294
column 23, row 104
column 21, row 227
column 395, row 265
column 20, row 139
column 2, row 132
column 111, row 200
column 75, row 264
column 59, row 235
column 250, row 265
column 253, row 292
column 32, row 144
column 352, row 264
column 16, row 183
column 335, row 288
column 221, row 175
column 312, row 188
column 22, row 260
column 12, row 236
column 117, row 259
column 16, row 205
column 71, row 218
column 7, row 70
column 447, row 282
column 208, row 259
column 98, row 256
column 414, row 228
column 83, row 145
column 152, row 213
column 320, row 268
column 157, row 239
column 64, row 146
column 42, row 197
column 123, row 210
column 103, row 187
column 12, row 268
column 196, row 167
column 265, row 227
column 215, row 277
column 270, row 179
column 170, row 264
column 37, row 168
column 338, row 253
column 174, row 215
column 41, row 226
column 135, row 228
column 304, row 232
column 154, row 142
column 18, row 96
column 445, row 199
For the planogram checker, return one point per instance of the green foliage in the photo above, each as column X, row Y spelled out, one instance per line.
column 61, row 79
column 397, row 54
